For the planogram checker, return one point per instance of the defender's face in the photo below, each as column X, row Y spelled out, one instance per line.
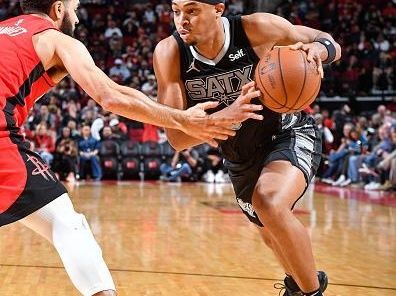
column 71, row 19
column 194, row 20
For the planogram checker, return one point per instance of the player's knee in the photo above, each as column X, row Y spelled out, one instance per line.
column 73, row 227
column 264, row 202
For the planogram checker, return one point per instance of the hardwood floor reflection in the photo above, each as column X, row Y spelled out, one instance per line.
column 191, row 239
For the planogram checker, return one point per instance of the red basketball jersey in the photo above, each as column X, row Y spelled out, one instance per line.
column 23, row 79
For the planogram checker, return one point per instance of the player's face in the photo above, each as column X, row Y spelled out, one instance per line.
column 194, row 20
column 70, row 20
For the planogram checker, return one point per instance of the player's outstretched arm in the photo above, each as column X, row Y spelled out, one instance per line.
column 171, row 92
column 129, row 102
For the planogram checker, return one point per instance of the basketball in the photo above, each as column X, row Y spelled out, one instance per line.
column 288, row 82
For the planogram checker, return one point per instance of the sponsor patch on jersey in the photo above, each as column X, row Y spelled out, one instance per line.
column 240, row 53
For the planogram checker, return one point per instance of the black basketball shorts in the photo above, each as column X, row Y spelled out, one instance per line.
column 300, row 145
column 26, row 183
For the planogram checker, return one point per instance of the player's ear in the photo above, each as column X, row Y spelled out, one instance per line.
column 58, row 10
column 219, row 9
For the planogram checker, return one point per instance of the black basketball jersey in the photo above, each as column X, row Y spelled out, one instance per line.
column 221, row 79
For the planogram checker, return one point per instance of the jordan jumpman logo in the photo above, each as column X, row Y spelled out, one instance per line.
column 193, row 67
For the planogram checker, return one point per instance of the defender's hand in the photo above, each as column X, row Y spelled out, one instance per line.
column 201, row 126
column 314, row 51
column 241, row 109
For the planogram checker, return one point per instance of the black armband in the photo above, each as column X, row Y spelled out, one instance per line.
column 331, row 50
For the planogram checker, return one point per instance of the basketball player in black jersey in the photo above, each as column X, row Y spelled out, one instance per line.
column 271, row 162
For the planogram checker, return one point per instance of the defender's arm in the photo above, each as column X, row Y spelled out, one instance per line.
column 171, row 89
column 122, row 100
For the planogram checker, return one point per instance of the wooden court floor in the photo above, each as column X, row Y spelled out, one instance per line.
column 190, row 240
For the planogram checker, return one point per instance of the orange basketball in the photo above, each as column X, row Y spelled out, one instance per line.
column 288, row 82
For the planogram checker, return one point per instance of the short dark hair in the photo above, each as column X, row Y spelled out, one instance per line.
column 37, row 6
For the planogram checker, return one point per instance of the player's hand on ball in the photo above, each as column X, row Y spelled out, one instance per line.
column 313, row 51
column 202, row 126
column 242, row 109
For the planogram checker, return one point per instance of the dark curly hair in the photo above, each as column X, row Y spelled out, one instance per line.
column 37, row 6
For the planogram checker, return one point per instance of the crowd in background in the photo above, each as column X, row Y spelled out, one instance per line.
column 358, row 150
column 68, row 129
column 367, row 32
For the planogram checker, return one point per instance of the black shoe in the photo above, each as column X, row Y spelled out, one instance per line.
column 291, row 288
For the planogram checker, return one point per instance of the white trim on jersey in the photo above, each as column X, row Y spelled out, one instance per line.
column 223, row 51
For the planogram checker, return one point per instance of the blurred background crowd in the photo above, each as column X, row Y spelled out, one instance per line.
column 79, row 140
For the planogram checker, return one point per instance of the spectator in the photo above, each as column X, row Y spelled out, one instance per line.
column 120, row 70
column 65, row 134
column 90, row 107
column 150, row 87
column 327, row 141
column 112, row 30
column 381, row 43
column 119, row 129
column 149, row 14
column 337, row 158
column 66, row 160
column 340, row 118
column 44, row 116
column 44, row 143
column 88, row 151
column 107, row 135
column 214, row 167
column 385, row 115
column 71, row 113
column 356, row 146
column 72, row 125
column 371, row 159
column 327, row 135
column 97, row 126
column 384, row 175
column 185, row 166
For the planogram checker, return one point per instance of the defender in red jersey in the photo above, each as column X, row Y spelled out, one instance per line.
column 37, row 51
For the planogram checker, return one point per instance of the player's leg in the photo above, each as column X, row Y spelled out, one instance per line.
column 244, row 178
column 290, row 286
column 69, row 232
column 279, row 186
column 269, row 241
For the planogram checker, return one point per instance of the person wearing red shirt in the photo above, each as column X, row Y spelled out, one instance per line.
column 44, row 143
